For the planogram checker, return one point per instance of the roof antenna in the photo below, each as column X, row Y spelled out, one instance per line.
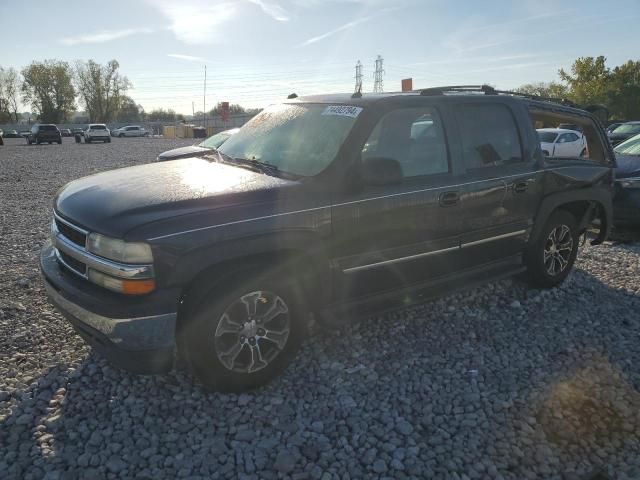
column 292, row 96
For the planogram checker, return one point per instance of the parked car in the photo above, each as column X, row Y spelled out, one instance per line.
column 41, row 133
column 624, row 132
column 626, row 202
column 199, row 149
column 1, row 137
column 570, row 126
column 65, row 132
column 11, row 134
column 97, row 132
column 224, row 256
column 562, row 143
column 612, row 127
column 130, row 131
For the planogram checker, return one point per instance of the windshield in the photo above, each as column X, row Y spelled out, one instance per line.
column 547, row 137
column 215, row 141
column 298, row 139
column 628, row 128
column 629, row 147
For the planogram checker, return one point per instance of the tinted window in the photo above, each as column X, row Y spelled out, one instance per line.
column 569, row 137
column 48, row 128
column 489, row 135
column 412, row 136
column 547, row 137
column 97, row 127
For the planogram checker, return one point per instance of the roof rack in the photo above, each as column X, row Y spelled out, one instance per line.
column 486, row 89
column 489, row 90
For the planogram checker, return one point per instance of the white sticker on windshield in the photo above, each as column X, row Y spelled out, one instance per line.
column 342, row 110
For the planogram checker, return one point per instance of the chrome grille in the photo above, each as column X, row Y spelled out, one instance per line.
column 76, row 235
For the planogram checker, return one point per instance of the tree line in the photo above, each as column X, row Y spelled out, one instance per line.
column 591, row 82
column 53, row 88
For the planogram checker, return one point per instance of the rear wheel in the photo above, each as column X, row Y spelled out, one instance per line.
column 550, row 258
column 240, row 337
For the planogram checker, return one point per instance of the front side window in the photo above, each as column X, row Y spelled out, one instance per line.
column 414, row 137
column 300, row 139
column 489, row 135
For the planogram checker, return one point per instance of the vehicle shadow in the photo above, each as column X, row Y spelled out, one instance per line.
column 548, row 385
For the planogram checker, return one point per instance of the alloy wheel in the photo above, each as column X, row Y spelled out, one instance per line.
column 557, row 250
column 252, row 331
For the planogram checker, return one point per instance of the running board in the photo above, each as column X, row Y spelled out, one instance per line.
column 336, row 315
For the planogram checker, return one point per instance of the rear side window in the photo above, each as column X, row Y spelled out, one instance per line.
column 412, row 136
column 489, row 135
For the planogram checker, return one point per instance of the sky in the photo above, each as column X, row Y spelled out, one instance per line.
column 257, row 52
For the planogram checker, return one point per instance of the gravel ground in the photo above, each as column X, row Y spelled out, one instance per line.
column 497, row 382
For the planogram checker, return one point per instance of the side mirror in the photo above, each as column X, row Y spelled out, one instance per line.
column 381, row 171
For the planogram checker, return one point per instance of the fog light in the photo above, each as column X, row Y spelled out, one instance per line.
column 128, row 287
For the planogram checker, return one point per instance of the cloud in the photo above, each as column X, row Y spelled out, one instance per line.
column 273, row 10
column 189, row 58
column 103, row 36
column 341, row 28
column 196, row 22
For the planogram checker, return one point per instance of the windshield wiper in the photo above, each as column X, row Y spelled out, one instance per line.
column 267, row 168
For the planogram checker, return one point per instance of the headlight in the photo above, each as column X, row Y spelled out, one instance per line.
column 629, row 182
column 119, row 250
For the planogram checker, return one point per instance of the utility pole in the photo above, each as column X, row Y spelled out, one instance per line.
column 378, row 86
column 204, row 100
column 193, row 109
column 358, row 77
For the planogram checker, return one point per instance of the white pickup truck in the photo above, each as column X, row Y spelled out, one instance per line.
column 97, row 132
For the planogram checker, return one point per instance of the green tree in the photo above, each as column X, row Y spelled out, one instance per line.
column 588, row 81
column 162, row 115
column 623, row 95
column 47, row 86
column 543, row 89
column 9, row 94
column 101, row 89
column 130, row 111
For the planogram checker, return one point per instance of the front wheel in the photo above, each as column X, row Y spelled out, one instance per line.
column 241, row 337
column 551, row 256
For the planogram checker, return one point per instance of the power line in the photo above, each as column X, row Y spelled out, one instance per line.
column 378, row 83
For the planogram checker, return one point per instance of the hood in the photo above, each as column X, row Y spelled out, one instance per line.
column 184, row 152
column 627, row 166
column 117, row 201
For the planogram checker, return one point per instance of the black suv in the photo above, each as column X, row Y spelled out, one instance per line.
column 41, row 133
column 334, row 205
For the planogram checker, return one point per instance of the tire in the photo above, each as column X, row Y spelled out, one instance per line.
column 222, row 357
column 108, row 140
column 121, row 135
column 87, row 140
column 547, row 265
column 60, row 142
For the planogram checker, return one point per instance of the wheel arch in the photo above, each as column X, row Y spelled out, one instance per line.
column 306, row 261
column 583, row 204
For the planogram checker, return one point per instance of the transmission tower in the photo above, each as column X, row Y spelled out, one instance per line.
column 358, row 77
column 378, row 85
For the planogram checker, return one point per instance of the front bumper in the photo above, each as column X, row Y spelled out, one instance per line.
column 626, row 207
column 136, row 334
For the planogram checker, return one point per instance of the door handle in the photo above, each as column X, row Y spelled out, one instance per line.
column 448, row 199
column 520, row 187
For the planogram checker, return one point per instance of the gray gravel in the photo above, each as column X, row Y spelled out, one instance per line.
column 497, row 382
